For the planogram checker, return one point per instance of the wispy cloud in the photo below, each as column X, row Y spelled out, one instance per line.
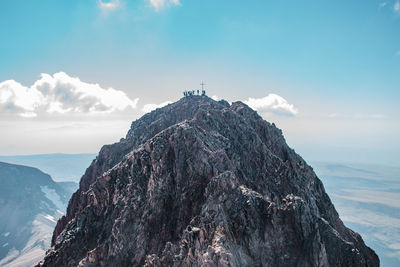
column 396, row 7
column 158, row 4
column 111, row 5
column 382, row 4
column 150, row 107
column 272, row 103
column 398, row 53
column 60, row 94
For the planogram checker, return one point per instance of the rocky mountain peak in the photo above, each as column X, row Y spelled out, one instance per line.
column 203, row 182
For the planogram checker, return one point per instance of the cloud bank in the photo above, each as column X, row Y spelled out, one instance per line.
column 272, row 103
column 61, row 94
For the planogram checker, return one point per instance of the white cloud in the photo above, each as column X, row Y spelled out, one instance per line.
column 382, row 4
column 216, row 98
column 272, row 103
column 398, row 53
column 28, row 114
column 13, row 94
column 59, row 93
column 150, row 107
column 396, row 7
column 158, row 4
column 111, row 5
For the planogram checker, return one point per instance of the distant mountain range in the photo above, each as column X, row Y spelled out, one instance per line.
column 61, row 167
column 30, row 204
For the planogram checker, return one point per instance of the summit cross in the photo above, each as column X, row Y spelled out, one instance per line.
column 202, row 85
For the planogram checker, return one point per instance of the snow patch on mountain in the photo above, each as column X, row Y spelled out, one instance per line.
column 52, row 195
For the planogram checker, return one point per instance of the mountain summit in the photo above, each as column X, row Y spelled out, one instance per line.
column 203, row 183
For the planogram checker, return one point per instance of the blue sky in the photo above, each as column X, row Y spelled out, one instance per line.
column 336, row 62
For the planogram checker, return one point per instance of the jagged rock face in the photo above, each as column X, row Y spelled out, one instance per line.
column 201, row 182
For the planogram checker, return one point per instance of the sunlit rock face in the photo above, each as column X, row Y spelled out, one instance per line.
column 203, row 183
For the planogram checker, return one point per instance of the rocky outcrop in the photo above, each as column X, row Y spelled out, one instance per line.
column 201, row 182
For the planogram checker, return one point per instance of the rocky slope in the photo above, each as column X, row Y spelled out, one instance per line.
column 201, row 182
column 30, row 204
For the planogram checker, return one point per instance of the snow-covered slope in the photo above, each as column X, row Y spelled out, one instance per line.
column 30, row 204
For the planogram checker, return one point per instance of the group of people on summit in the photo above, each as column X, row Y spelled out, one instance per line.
column 193, row 92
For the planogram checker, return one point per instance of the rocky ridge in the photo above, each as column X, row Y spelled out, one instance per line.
column 201, row 182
